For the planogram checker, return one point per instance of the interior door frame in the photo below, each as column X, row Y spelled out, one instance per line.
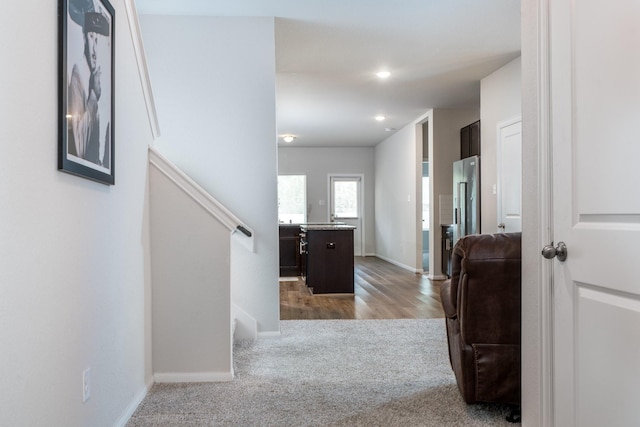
column 360, row 177
column 501, row 126
column 537, row 226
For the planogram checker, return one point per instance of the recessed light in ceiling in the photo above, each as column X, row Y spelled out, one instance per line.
column 383, row 74
column 288, row 138
column 380, row 117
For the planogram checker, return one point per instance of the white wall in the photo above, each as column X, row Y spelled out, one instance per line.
column 214, row 86
column 500, row 100
column 191, row 293
column 72, row 251
column 398, row 161
column 396, row 185
column 317, row 163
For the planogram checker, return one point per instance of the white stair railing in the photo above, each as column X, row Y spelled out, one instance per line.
column 143, row 70
column 202, row 197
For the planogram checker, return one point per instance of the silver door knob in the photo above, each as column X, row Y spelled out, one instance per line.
column 502, row 226
column 560, row 251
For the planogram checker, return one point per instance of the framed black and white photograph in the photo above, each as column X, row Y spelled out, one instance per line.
column 87, row 52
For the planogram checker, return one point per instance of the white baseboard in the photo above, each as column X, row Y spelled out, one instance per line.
column 193, row 377
column 399, row 264
column 246, row 327
column 133, row 405
column 270, row 334
column 438, row 277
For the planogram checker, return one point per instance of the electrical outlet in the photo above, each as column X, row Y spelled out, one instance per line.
column 86, row 384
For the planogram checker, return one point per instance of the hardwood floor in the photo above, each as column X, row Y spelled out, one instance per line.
column 381, row 291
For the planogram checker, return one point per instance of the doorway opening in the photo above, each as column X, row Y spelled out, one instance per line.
column 346, row 204
column 424, row 193
column 426, row 206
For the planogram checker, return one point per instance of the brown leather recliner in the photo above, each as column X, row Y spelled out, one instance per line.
column 481, row 302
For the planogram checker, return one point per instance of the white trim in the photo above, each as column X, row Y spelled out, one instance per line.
column 537, row 327
column 133, row 405
column 361, row 208
column 248, row 329
column 269, row 334
column 419, row 200
column 399, row 264
column 200, row 196
column 143, row 69
column 545, row 214
column 193, row 377
column 508, row 122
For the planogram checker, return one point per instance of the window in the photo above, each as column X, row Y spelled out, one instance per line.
column 292, row 199
column 345, row 193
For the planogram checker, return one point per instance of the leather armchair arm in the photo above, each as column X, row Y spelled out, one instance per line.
column 449, row 289
column 448, row 297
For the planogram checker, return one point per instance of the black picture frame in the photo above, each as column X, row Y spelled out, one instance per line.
column 87, row 89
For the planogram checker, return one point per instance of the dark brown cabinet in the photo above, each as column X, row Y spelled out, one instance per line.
column 329, row 260
column 470, row 140
column 290, row 262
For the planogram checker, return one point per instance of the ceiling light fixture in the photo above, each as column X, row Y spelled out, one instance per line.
column 288, row 138
column 380, row 118
column 383, row 74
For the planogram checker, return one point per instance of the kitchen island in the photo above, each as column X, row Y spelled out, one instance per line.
column 290, row 253
column 290, row 250
column 327, row 257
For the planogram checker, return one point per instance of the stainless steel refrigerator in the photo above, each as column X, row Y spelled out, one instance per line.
column 466, row 197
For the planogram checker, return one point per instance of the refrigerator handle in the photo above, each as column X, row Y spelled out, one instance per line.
column 462, row 202
column 455, row 215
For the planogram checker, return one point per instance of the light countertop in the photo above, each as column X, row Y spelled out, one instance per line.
column 334, row 226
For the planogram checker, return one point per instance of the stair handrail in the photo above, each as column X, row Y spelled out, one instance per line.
column 199, row 194
column 143, row 69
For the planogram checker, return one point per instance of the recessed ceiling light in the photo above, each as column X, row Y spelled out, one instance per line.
column 383, row 74
column 288, row 138
column 380, row 117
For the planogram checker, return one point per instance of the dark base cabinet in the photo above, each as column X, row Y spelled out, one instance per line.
column 290, row 263
column 329, row 261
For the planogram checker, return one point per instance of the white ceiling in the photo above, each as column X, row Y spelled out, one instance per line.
column 328, row 51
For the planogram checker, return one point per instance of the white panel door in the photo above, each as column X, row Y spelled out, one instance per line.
column 510, row 176
column 595, row 114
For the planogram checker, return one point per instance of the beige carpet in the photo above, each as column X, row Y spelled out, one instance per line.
column 329, row 373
